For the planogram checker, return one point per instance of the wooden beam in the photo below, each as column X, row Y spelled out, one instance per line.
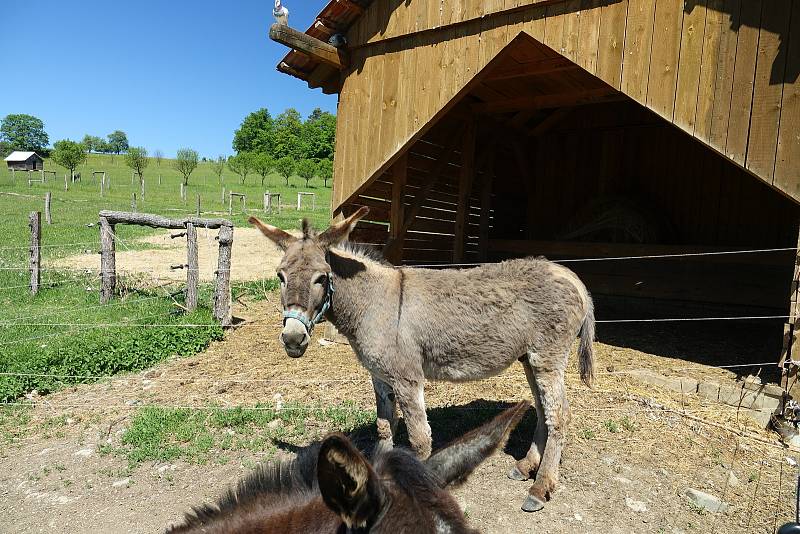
column 559, row 100
column 396, row 215
column 548, row 122
column 486, row 205
column 311, row 46
column 465, row 179
column 525, row 171
column 532, row 68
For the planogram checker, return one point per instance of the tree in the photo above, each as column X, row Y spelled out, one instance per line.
column 255, row 133
column 285, row 167
column 287, row 139
column 136, row 159
column 92, row 143
column 218, row 167
column 117, row 142
column 23, row 132
column 263, row 165
column 5, row 149
column 325, row 169
column 241, row 164
column 158, row 156
column 318, row 135
column 68, row 154
column 185, row 163
column 306, row 169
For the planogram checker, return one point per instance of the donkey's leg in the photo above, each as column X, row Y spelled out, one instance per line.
column 387, row 412
column 412, row 403
column 527, row 466
column 550, row 384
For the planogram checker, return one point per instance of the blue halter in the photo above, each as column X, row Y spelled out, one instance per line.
column 319, row 316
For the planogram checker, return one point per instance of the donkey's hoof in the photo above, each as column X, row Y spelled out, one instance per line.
column 532, row 504
column 516, row 474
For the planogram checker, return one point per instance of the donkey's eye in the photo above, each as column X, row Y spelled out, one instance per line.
column 281, row 278
column 321, row 279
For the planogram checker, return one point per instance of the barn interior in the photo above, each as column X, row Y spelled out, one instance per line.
column 538, row 157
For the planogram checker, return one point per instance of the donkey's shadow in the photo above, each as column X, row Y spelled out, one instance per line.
column 447, row 424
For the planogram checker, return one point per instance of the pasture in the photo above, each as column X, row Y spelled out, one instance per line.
column 52, row 333
column 159, row 412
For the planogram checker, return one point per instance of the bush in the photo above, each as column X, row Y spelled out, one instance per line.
column 97, row 354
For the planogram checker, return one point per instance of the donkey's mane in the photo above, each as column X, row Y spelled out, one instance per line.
column 281, row 479
column 365, row 252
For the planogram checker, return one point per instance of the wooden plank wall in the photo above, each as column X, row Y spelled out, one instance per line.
column 726, row 71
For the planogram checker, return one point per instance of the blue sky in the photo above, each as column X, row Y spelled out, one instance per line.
column 170, row 73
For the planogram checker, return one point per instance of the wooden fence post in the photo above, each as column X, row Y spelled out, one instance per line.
column 192, row 269
column 66, row 182
column 102, row 184
column 108, row 264
column 47, row 215
column 183, row 191
column 230, row 204
column 222, row 287
column 198, row 205
column 223, row 197
column 141, row 193
column 266, row 201
column 35, row 264
column 159, row 179
column 133, row 202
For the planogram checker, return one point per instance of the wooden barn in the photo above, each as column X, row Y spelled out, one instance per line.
column 24, row 161
column 478, row 130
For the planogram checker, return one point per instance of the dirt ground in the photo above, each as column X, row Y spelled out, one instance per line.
column 631, row 453
column 253, row 257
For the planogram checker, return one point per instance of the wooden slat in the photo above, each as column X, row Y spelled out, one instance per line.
column 708, row 69
column 572, row 26
column 768, row 89
column 694, row 25
column 387, row 116
column 547, row 101
column 638, row 43
column 611, row 43
column 787, row 165
column 554, row 26
column 665, row 57
column 723, row 87
column 744, row 74
column 589, row 34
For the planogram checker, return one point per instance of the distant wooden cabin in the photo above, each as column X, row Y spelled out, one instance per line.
column 478, row 130
column 24, row 161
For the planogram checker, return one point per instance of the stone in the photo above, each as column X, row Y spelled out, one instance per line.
column 578, row 517
column 732, row 480
column 84, row 453
column 121, row 483
column 275, row 424
column 152, row 374
column 706, row 501
column 636, row 506
column 622, row 480
column 709, row 390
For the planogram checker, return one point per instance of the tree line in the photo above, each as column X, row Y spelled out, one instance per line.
column 285, row 144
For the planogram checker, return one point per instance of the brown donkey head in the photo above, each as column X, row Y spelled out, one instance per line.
column 332, row 487
column 305, row 275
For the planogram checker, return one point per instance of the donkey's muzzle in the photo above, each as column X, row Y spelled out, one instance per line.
column 294, row 338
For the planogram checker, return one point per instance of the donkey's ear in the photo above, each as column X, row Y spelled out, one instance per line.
column 341, row 231
column 275, row 234
column 455, row 462
column 347, row 482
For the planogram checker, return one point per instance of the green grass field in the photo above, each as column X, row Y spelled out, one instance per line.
column 56, row 332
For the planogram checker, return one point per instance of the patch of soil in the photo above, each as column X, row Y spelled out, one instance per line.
column 629, row 458
column 253, row 257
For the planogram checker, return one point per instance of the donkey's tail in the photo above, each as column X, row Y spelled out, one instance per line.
column 586, row 350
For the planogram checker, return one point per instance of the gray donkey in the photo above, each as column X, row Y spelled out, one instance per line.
column 407, row 325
